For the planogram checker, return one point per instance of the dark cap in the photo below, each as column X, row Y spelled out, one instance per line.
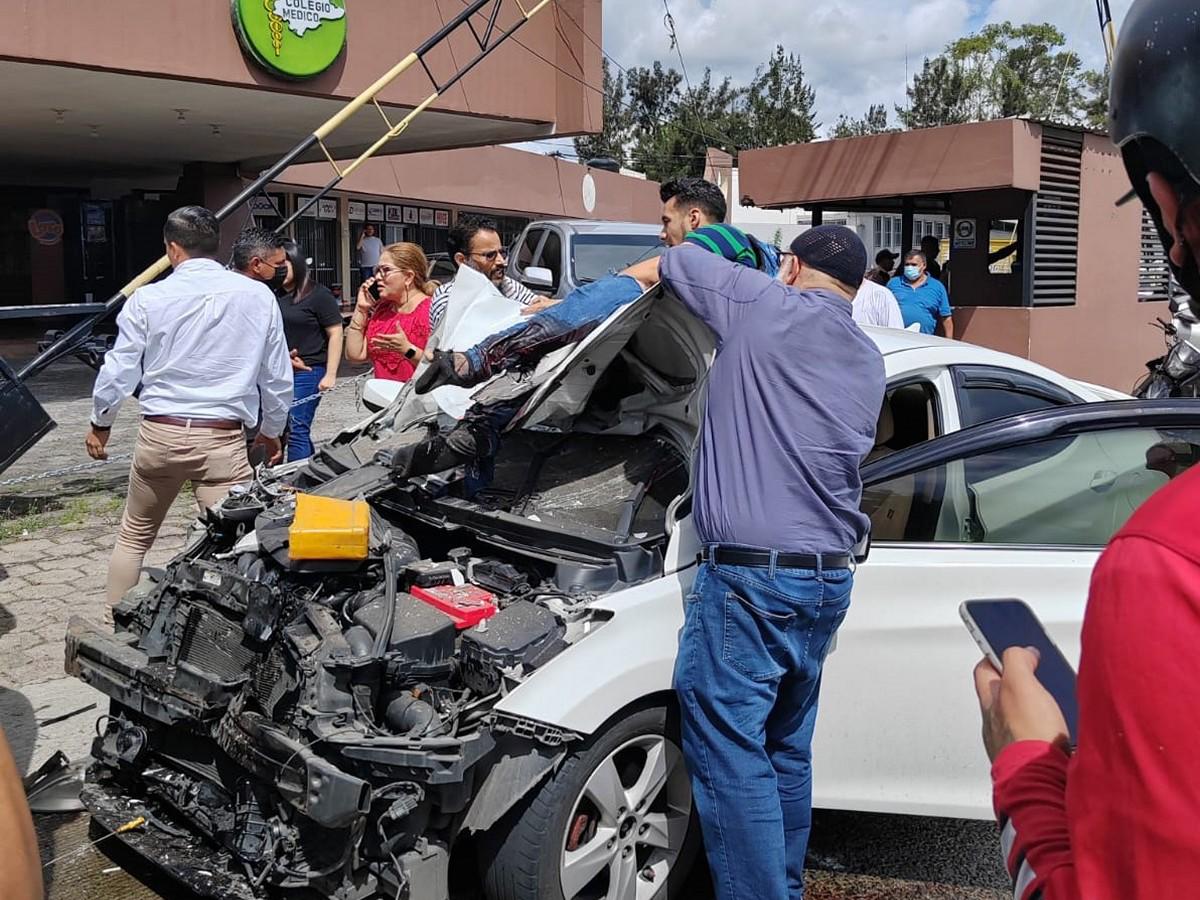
column 886, row 258
column 835, row 250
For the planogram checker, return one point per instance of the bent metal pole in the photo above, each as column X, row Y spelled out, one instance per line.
column 72, row 337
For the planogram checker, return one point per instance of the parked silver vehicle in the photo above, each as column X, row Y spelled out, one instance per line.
column 554, row 257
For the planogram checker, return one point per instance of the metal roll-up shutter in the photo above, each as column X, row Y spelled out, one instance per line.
column 1056, row 218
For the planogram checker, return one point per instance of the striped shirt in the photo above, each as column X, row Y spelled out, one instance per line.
column 510, row 288
column 876, row 305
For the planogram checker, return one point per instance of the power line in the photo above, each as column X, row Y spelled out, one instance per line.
column 628, row 106
column 713, row 137
column 669, row 21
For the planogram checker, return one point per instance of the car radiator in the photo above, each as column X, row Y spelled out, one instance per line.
column 214, row 644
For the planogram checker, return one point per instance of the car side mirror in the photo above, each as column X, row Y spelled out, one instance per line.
column 537, row 276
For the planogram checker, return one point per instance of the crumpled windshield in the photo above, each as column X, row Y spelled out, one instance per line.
column 597, row 255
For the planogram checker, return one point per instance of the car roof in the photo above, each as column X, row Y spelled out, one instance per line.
column 589, row 226
column 891, row 341
column 896, row 340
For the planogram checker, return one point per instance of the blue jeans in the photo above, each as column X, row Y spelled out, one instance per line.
column 748, row 674
column 304, row 384
column 523, row 345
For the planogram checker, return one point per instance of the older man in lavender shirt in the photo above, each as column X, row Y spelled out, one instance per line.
column 793, row 398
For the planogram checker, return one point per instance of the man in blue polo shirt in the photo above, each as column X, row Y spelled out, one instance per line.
column 922, row 299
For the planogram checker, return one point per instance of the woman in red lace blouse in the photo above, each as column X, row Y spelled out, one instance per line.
column 392, row 331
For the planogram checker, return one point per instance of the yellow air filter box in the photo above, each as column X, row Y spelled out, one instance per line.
column 327, row 528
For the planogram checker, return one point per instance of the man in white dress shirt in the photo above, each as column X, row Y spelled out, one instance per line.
column 876, row 305
column 205, row 344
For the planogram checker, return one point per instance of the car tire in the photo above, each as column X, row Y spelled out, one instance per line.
column 546, row 847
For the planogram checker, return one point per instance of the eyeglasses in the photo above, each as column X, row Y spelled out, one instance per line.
column 490, row 255
column 384, row 271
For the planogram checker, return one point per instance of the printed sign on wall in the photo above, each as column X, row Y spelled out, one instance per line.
column 291, row 38
column 964, row 234
column 356, row 210
column 46, row 227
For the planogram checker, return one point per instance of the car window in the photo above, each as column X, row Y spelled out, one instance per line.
column 1063, row 491
column 551, row 257
column 528, row 248
column 596, row 255
column 986, row 393
column 909, row 415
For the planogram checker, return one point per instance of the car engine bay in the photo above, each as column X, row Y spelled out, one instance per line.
column 326, row 724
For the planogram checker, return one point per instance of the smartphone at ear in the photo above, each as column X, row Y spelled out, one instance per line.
column 373, row 289
column 997, row 625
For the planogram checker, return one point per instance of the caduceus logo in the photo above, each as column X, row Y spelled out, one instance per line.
column 276, row 23
column 279, row 34
column 300, row 16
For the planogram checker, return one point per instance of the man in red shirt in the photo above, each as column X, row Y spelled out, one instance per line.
column 1120, row 817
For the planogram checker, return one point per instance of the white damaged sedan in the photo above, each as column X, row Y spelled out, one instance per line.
column 487, row 685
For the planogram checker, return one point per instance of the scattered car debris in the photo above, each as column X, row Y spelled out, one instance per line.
column 54, row 786
column 54, row 720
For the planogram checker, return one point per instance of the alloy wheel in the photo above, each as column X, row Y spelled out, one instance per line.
column 628, row 824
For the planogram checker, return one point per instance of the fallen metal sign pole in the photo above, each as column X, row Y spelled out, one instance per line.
column 25, row 421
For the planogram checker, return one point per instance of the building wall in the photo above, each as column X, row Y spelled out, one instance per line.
column 1105, row 337
column 177, row 39
column 499, row 178
column 981, row 155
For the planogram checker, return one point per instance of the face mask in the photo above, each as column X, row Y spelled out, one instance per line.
column 277, row 280
column 912, row 273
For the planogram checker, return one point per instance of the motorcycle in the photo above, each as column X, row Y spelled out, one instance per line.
column 1177, row 372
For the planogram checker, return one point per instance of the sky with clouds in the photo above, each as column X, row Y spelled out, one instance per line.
column 854, row 51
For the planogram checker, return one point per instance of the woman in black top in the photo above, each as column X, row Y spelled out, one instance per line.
column 312, row 322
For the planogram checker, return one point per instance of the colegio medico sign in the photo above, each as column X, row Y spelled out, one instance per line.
column 291, row 38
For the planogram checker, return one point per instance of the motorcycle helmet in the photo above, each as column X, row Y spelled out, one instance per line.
column 1152, row 95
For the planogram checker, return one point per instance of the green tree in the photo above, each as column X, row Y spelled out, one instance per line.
column 780, row 104
column 1095, row 99
column 655, row 124
column 938, row 95
column 1000, row 71
column 614, row 137
column 874, row 122
column 672, row 128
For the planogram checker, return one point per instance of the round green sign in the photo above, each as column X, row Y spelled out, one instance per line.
column 291, row 38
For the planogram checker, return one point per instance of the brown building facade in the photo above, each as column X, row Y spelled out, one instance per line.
column 117, row 112
column 1077, row 281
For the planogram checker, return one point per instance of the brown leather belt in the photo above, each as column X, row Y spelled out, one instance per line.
column 222, row 424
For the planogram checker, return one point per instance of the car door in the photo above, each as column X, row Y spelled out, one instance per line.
column 1019, row 507
column 526, row 252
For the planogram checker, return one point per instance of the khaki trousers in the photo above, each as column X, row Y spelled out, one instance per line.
column 166, row 457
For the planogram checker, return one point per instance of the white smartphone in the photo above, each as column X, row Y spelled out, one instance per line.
column 997, row 625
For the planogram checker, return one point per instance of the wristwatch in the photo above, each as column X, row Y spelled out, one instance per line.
column 410, row 353
column 96, row 427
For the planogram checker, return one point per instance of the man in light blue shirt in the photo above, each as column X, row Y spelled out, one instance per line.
column 922, row 299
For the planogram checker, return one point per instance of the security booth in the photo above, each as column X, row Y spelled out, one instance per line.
column 1038, row 259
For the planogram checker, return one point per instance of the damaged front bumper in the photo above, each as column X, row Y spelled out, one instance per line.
column 163, row 843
